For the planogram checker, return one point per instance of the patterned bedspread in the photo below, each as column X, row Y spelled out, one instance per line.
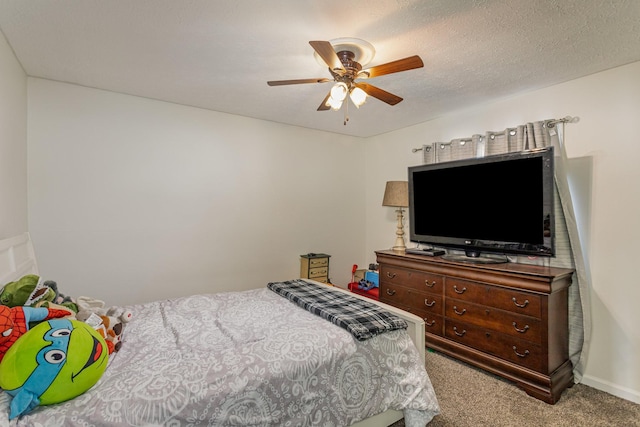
column 361, row 318
column 244, row 358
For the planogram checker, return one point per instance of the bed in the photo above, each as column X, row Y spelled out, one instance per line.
column 242, row 358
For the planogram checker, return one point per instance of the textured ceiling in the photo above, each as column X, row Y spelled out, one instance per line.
column 219, row 55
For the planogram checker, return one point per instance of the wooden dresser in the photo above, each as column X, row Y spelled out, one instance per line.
column 509, row 319
column 315, row 266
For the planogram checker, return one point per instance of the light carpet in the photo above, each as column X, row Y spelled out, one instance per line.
column 472, row 397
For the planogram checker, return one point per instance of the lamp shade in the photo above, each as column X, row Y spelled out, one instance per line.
column 396, row 194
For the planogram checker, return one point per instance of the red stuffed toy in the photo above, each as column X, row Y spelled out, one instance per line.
column 15, row 321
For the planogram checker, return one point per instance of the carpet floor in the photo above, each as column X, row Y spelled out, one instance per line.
column 472, row 397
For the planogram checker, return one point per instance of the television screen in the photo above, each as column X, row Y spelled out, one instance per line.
column 499, row 204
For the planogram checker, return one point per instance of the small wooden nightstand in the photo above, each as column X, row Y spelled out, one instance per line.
column 315, row 266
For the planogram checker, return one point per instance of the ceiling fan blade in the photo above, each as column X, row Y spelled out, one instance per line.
column 395, row 66
column 328, row 55
column 324, row 106
column 378, row 93
column 297, row 82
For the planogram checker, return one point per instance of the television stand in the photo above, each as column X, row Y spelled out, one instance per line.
column 509, row 319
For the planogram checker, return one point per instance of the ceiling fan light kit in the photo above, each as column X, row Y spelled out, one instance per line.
column 358, row 96
column 345, row 57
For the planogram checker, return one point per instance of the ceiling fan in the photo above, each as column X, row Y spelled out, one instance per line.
column 345, row 59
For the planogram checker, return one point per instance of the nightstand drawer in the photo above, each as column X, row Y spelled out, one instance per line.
column 318, row 272
column 318, row 262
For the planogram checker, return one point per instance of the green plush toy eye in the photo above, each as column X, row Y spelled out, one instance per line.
column 54, row 361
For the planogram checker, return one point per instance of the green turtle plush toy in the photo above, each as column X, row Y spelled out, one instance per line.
column 32, row 291
column 54, row 361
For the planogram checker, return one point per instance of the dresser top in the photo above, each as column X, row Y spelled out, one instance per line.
column 456, row 268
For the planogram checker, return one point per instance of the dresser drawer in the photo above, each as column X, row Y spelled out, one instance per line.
column 433, row 323
column 502, row 298
column 517, row 325
column 424, row 301
column 408, row 297
column 394, row 294
column 524, row 353
column 412, row 278
column 318, row 262
column 318, row 272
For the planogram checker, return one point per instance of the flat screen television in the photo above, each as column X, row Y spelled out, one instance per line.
column 496, row 204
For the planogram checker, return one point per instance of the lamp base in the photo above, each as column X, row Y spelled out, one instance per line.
column 399, row 245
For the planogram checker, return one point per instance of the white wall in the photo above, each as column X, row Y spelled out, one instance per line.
column 604, row 146
column 13, row 143
column 132, row 200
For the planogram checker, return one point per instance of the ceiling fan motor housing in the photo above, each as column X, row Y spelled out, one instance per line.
column 350, row 65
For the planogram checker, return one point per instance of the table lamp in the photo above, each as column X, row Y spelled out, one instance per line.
column 396, row 194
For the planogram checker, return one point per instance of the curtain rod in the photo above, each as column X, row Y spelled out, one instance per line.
column 548, row 123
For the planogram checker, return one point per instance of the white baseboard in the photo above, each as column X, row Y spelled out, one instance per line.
column 614, row 389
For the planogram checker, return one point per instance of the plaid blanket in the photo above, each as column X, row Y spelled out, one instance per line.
column 362, row 319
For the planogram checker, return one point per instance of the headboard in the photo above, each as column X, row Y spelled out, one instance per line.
column 17, row 258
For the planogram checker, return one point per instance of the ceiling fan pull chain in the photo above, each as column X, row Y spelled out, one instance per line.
column 346, row 112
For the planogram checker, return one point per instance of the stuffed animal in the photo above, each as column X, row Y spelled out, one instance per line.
column 88, row 305
column 14, row 322
column 31, row 290
column 17, row 293
column 108, row 322
column 55, row 361
column 113, row 331
column 123, row 315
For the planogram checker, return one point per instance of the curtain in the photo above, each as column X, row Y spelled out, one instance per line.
column 569, row 253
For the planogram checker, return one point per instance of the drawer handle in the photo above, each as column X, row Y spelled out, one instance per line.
column 522, row 331
column 427, row 323
column 460, row 334
column 391, row 291
column 455, row 288
column 391, row 275
column 515, row 350
column 429, row 304
column 459, row 313
column 429, row 285
column 523, row 305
